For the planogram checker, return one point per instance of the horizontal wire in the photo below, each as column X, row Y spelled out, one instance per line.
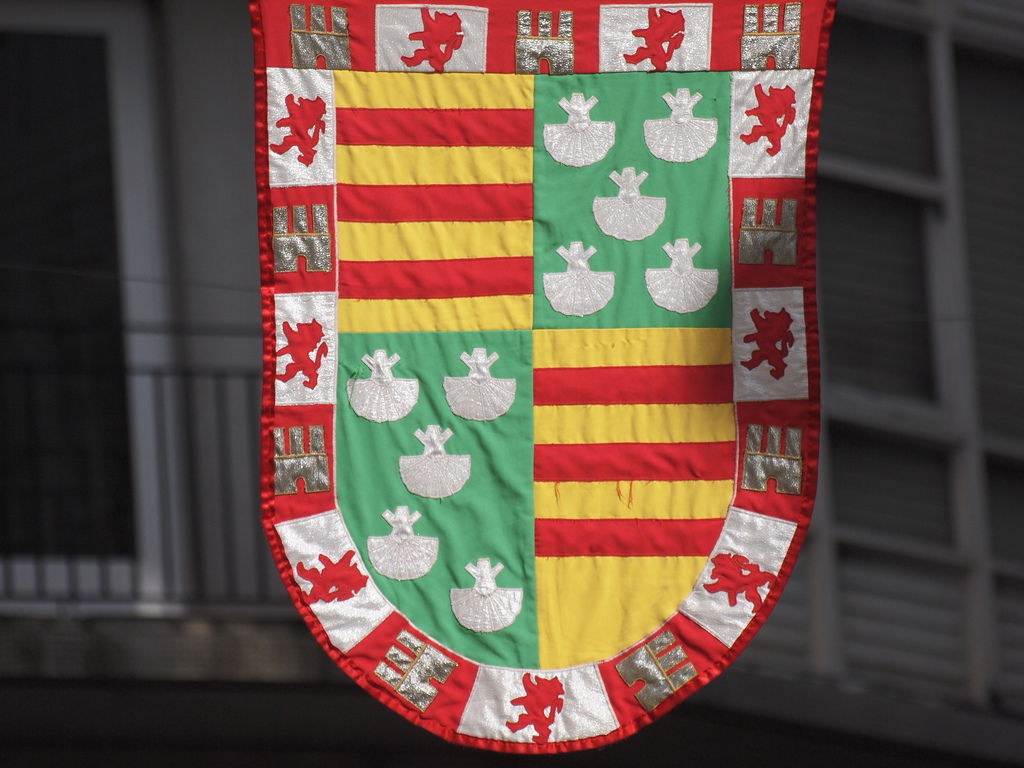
column 124, row 278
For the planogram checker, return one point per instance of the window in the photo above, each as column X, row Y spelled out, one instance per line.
column 872, row 280
column 67, row 480
column 890, row 485
column 85, row 282
column 993, row 165
column 877, row 100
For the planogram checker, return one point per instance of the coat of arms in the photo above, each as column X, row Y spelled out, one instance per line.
column 541, row 390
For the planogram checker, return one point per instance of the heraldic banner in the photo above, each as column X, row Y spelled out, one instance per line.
column 540, row 403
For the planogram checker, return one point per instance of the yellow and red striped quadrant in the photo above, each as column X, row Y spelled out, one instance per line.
column 435, row 203
column 634, row 458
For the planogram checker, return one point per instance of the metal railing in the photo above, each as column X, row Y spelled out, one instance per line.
column 192, row 540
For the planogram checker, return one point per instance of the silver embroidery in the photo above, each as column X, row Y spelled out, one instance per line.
column 434, row 474
column 681, row 138
column 578, row 291
column 763, row 38
column 486, row 607
column 382, row 397
column 491, row 711
column 783, row 464
column 430, row 38
column 402, row 555
column 346, row 623
column 479, row 396
column 630, row 216
column 320, row 219
column 315, row 40
column 399, row 658
column 441, row 36
column 289, row 245
column 558, row 50
column 768, row 238
column 411, row 679
column 300, row 218
column 624, row 48
column 673, row 658
column 280, row 218
column 750, row 549
column 682, row 287
column 579, row 141
column 292, row 460
column 661, row 665
column 738, row 577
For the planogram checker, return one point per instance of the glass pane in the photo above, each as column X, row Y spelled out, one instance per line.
column 1006, row 503
column 903, row 623
column 873, row 301
column 67, row 482
column 889, row 485
column 991, row 101
column 877, row 99
column 1008, row 679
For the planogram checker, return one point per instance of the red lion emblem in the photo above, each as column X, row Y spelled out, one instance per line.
column 735, row 574
column 773, row 339
column 440, row 38
column 302, row 340
column 662, row 37
column 542, row 700
column 306, row 122
column 775, row 112
column 335, row 581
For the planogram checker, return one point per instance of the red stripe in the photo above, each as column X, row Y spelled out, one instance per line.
column 436, row 127
column 435, row 202
column 633, row 384
column 634, row 461
column 442, row 279
column 703, row 648
column 626, row 538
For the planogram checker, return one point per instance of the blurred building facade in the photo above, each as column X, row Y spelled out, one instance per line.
column 133, row 572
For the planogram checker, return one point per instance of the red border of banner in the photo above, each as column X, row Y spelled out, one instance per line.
column 699, row 644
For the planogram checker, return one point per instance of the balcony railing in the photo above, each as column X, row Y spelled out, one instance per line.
column 192, row 541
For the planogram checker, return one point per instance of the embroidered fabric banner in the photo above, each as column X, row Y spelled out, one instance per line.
column 540, row 403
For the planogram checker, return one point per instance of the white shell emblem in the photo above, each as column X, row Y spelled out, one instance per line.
column 479, row 396
column 579, row 141
column 434, row 474
column 682, row 287
column 486, row 607
column 630, row 216
column 402, row 555
column 382, row 397
column 682, row 137
column 578, row 291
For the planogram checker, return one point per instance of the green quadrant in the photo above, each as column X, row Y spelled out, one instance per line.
column 491, row 516
column 697, row 195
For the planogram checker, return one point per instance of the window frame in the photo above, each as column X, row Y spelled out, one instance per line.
column 952, row 421
column 148, row 298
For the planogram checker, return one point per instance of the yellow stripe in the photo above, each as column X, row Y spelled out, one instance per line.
column 430, row 240
column 476, row 313
column 688, row 423
column 584, row 348
column 418, row 90
column 434, row 165
column 592, row 607
column 637, row 499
